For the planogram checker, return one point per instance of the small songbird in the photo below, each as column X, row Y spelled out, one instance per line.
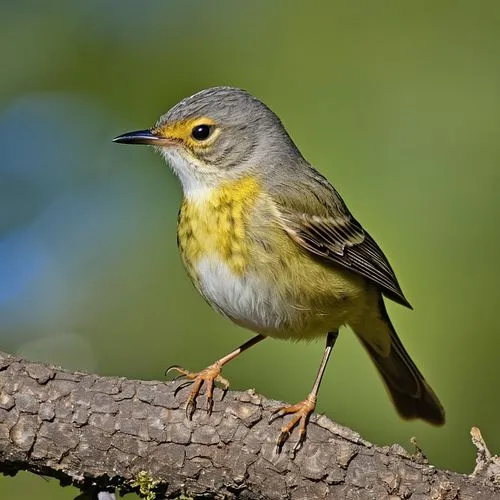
column 270, row 244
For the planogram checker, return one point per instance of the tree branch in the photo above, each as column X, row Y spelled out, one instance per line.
column 100, row 432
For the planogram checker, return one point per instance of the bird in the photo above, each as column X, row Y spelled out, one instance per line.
column 270, row 244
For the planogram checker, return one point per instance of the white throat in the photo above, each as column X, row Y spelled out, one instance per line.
column 196, row 185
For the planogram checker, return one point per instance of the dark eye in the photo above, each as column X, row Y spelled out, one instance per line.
column 201, row 132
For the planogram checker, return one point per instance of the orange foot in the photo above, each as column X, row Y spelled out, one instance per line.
column 302, row 412
column 207, row 376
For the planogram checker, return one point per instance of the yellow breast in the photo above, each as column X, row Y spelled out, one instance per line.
column 215, row 225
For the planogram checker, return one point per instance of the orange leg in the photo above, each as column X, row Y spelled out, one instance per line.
column 302, row 411
column 209, row 376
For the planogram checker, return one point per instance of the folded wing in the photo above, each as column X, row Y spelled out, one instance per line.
column 317, row 219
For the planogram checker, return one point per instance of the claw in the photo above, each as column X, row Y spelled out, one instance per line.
column 190, row 409
column 174, row 367
column 209, row 391
column 182, row 386
column 302, row 435
column 282, row 438
column 275, row 414
column 210, row 405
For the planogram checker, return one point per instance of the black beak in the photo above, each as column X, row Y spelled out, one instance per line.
column 140, row 137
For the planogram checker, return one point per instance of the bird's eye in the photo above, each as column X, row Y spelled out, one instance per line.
column 202, row 132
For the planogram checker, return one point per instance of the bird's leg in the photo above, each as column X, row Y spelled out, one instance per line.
column 303, row 410
column 209, row 376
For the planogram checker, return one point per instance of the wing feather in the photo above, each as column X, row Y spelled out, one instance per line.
column 328, row 230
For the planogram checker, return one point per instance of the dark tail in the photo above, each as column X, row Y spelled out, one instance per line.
column 408, row 389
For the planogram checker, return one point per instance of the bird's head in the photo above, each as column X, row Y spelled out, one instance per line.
column 218, row 134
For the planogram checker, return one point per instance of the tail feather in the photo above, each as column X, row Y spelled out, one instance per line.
column 411, row 394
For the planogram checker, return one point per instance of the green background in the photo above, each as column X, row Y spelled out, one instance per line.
column 398, row 103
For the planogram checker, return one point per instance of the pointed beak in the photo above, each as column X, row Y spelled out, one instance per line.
column 142, row 137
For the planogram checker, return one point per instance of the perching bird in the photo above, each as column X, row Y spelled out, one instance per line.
column 270, row 244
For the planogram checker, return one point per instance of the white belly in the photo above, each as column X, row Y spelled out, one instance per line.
column 248, row 301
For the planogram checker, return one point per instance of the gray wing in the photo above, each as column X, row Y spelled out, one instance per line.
column 316, row 217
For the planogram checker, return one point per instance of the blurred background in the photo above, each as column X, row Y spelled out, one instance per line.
column 397, row 103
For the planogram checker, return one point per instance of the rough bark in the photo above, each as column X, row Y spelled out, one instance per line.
column 99, row 432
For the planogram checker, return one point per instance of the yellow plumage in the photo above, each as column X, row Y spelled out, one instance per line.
column 215, row 225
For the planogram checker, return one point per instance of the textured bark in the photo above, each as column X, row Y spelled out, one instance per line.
column 100, row 432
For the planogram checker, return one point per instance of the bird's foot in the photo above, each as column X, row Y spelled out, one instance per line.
column 301, row 413
column 209, row 376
